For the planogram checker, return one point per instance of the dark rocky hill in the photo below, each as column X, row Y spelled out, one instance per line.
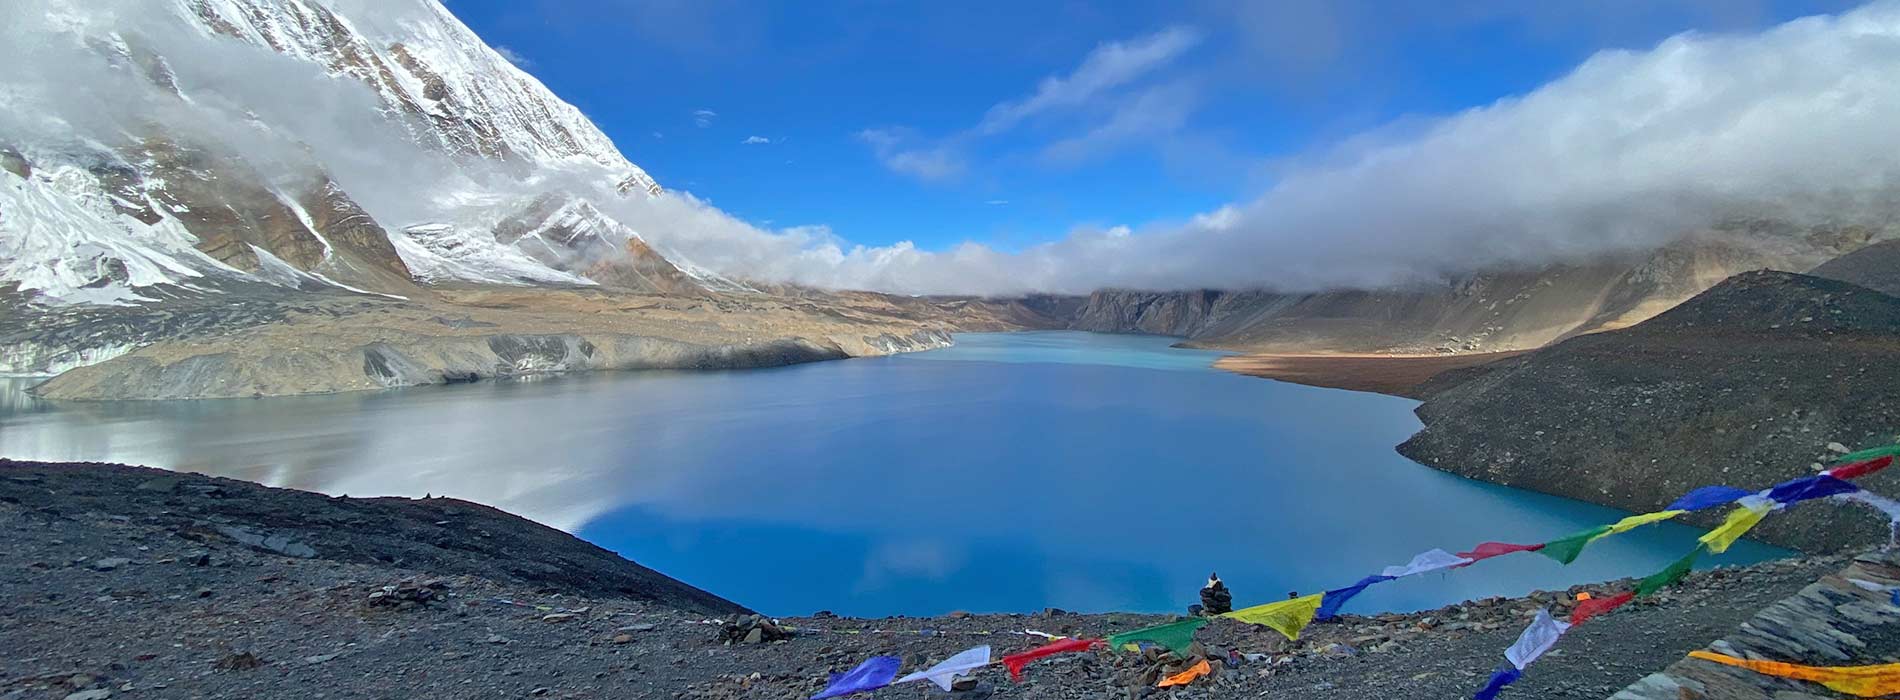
column 1875, row 267
column 444, row 536
column 1746, row 384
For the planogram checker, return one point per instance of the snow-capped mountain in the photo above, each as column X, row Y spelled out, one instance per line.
column 357, row 144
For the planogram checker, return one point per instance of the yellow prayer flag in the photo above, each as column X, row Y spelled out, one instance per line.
column 1636, row 521
column 1738, row 522
column 1287, row 617
column 1858, row 681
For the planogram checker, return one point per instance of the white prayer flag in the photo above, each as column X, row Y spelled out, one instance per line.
column 1538, row 638
column 947, row 671
column 1429, row 561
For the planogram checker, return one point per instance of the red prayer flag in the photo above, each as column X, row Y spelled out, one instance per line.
column 1597, row 606
column 1860, row 469
column 1016, row 662
column 1496, row 549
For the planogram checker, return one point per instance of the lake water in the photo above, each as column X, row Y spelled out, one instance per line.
column 1010, row 473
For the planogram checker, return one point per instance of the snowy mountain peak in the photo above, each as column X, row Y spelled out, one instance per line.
column 425, row 63
column 355, row 144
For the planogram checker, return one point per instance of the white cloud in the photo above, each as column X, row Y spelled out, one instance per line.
column 935, row 163
column 703, row 118
column 513, row 56
column 1109, row 66
column 751, row 140
column 1627, row 152
column 996, row 202
column 1152, row 112
column 1092, row 89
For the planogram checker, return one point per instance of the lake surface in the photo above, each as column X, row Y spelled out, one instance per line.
column 1010, row 473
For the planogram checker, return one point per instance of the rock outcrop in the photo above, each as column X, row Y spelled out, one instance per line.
column 1746, row 384
column 1836, row 621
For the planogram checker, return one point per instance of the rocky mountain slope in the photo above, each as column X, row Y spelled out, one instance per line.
column 1755, row 376
column 208, row 198
column 1875, row 267
column 1490, row 311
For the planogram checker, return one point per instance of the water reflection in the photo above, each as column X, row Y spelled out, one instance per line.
column 1012, row 472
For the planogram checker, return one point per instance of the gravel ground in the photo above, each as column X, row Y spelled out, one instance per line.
column 145, row 597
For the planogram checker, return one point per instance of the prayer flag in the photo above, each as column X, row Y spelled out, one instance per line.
column 1709, row 497
column 1503, row 677
column 1431, row 560
column 1016, row 662
column 1668, row 576
column 1566, row 549
column 1537, row 638
column 946, row 671
column 1287, row 617
column 870, row 675
column 1188, row 676
column 1173, row 635
column 1330, row 603
column 1497, row 549
column 1738, row 522
column 1886, row 505
column 1597, row 606
column 1809, row 487
column 1855, row 470
column 1636, row 521
column 1871, row 453
column 1858, row 681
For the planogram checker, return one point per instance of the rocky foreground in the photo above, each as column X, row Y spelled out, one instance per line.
column 123, row 582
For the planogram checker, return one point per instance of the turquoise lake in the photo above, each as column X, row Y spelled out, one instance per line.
column 1011, row 472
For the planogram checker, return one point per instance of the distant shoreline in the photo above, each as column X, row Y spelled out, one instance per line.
column 1392, row 375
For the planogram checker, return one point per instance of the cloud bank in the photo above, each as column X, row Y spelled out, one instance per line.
column 1628, row 152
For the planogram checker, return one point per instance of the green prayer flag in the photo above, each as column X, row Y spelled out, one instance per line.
column 1662, row 579
column 1565, row 550
column 1867, row 454
column 1177, row 636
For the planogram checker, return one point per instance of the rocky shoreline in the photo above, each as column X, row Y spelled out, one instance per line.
column 135, row 583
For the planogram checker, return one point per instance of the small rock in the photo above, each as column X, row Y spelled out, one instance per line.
column 241, row 661
column 639, row 627
column 756, row 636
column 100, row 694
column 1837, row 448
column 958, row 614
column 320, row 658
column 496, row 639
column 558, row 617
column 623, row 638
column 110, row 563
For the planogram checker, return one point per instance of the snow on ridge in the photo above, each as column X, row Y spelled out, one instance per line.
column 63, row 240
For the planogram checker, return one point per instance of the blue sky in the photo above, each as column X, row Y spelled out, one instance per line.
column 875, row 112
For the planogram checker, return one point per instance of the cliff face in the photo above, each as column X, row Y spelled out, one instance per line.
column 1489, row 311
column 1745, row 384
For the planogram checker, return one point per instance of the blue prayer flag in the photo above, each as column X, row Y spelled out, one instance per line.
column 1809, row 487
column 1329, row 604
column 1708, row 497
column 870, row 675
column 1503, row 677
